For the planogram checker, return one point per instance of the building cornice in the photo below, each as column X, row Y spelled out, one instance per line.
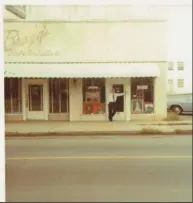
column 87, row 62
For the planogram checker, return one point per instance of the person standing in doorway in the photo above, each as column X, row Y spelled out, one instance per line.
column 112, row 103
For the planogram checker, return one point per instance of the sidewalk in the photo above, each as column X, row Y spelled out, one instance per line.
column 97, row 128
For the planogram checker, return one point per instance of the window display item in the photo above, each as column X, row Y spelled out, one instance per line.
column 148, row 107
column 137, row 106
column 92, row 104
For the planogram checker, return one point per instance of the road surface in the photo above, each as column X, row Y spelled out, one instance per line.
column 99, row 168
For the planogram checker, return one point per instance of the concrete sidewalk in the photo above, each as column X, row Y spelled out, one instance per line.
column 102, row 127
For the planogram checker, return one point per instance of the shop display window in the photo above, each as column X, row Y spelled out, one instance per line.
column 142, row 93
column 12, row 94
column 58, row 95
column 93, row 96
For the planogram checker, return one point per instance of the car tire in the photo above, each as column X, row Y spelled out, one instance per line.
column 177, row 109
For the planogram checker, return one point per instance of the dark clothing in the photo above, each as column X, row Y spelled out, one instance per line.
column 112, row 110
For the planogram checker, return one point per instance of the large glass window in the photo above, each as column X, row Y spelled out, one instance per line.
column 12, row 93
column 142, row 92
column 58, row 95
column 93, row 96
column 35, row 93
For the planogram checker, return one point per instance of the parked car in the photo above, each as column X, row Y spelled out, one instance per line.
column 180, row 103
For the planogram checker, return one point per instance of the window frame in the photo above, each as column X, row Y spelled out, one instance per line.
column 180, row 65
column 172, row 82
column 170, row 66
column 179, row 82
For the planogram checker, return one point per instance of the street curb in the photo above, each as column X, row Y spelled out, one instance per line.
column 99, row 133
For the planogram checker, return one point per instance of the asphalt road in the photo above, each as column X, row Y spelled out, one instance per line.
column 99, row 168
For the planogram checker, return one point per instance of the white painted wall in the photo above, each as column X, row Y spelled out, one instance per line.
column 75, row 100
column 102, row 42
column 185, row 74
column 102, row 12
column 180, row 47
column 160, row 93
column 81, row 12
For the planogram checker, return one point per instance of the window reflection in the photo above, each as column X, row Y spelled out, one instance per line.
column 35, row 97
column 12, row 94
column 58, row 95
column 93, row 96
column 142, row 90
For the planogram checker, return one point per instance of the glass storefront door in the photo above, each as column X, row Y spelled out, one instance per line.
column 35, row 97
column 35, row 100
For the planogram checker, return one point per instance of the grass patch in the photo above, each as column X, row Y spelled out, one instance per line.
column 172, row 116
column 150, row 131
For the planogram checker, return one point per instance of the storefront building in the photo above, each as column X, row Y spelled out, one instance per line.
column 65, row 71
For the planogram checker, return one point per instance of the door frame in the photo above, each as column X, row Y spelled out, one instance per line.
column 44, row 114
column 120, row 116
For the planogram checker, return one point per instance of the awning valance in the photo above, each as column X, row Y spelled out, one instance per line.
column 81, row 70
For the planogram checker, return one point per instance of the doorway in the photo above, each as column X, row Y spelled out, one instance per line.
column 35, row 99
column 119, row 86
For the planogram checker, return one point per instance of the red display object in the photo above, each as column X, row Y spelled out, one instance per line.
column 93, row 107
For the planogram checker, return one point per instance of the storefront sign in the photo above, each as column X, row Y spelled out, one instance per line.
column 16, row 44
column 92, row 96
column 57, row 42
column 93, row 87
column 142, row 87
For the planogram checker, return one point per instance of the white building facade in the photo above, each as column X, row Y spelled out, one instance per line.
column 65, row 70
column 180, row 50
column 180, row 77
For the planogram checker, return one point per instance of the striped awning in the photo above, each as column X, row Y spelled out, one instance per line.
column 81, row 70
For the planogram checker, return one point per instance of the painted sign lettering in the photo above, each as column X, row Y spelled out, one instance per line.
column 17, row 44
